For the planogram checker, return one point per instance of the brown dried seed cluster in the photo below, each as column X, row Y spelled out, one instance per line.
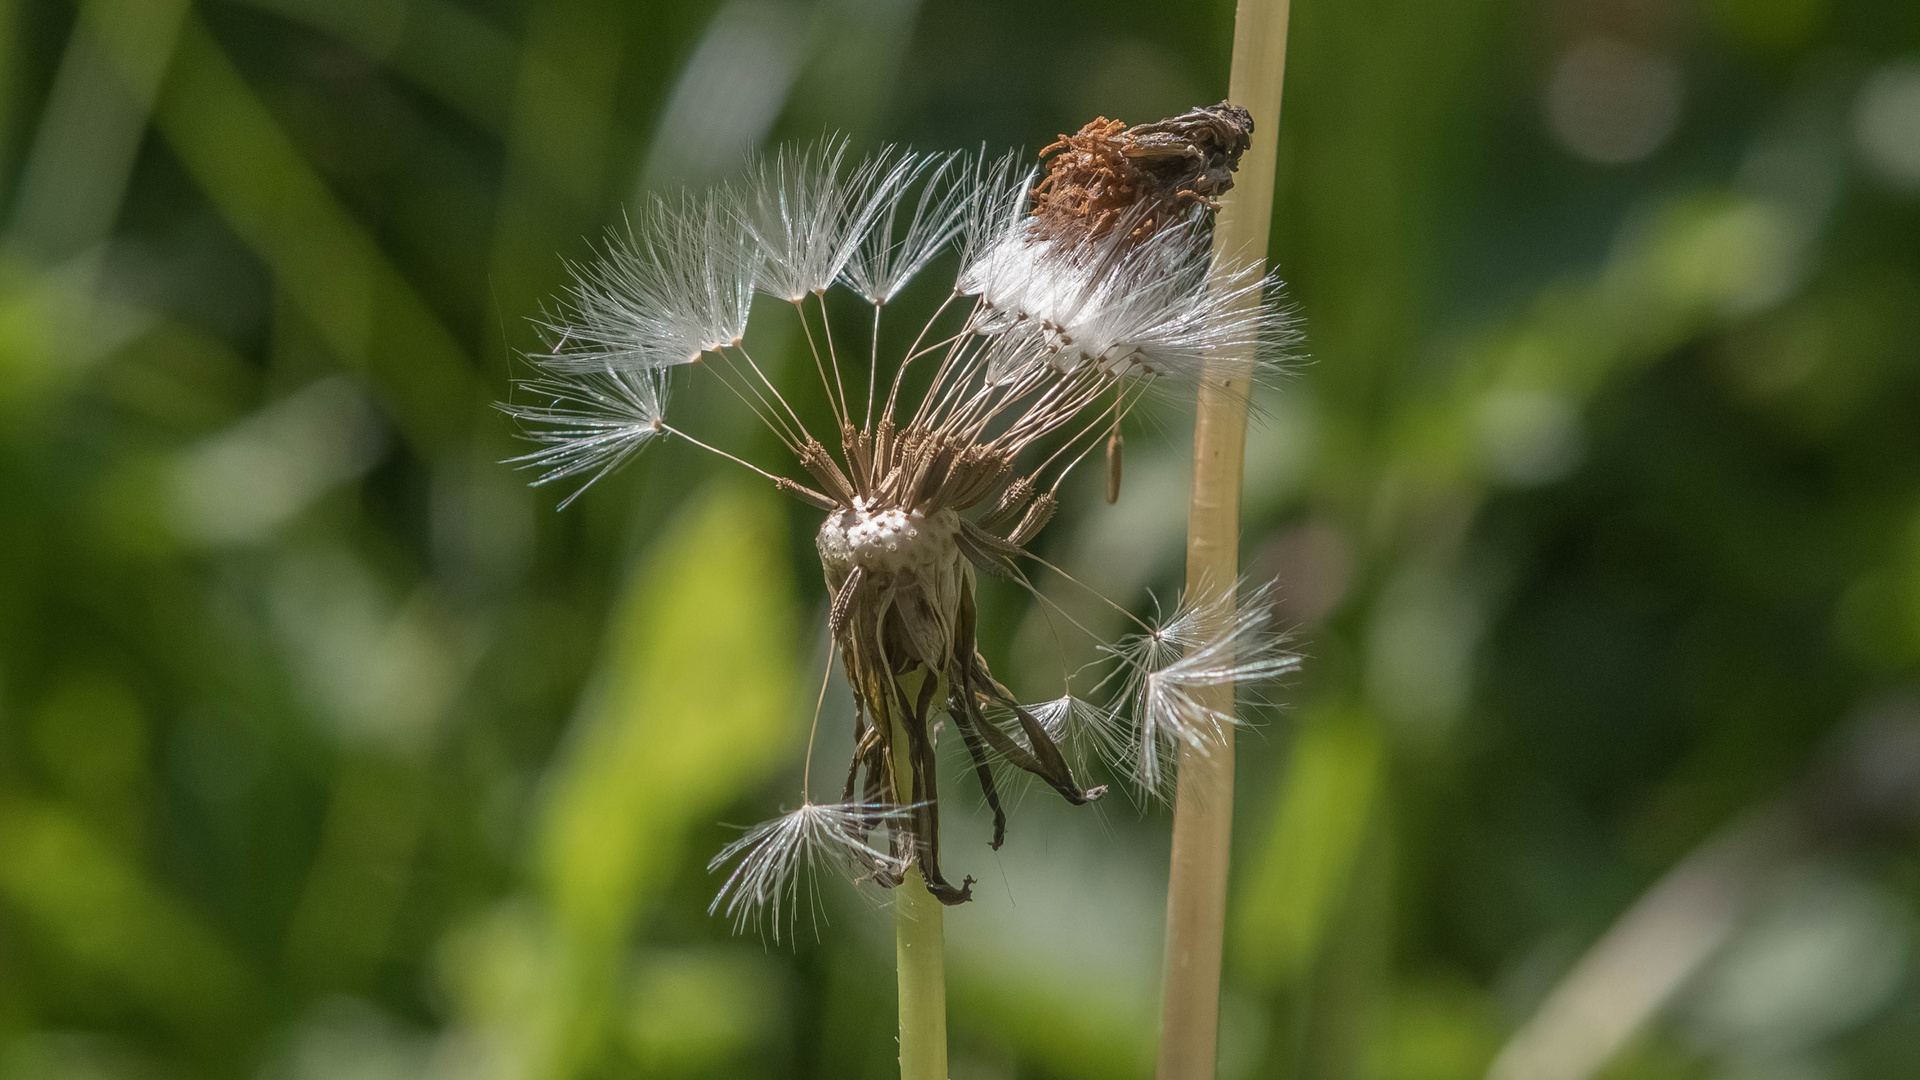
column 899, row 557
column 1147, row 174
column 899, row 562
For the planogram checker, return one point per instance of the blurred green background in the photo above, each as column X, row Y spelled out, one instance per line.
column 328, row 749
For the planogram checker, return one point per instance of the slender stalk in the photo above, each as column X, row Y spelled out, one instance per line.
column 1203, row 804
column 919, row 941
column 918, row 937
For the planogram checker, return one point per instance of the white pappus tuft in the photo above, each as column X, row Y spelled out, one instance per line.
column 1209, row 642
column 1162, row 305
column 679, row 285
column 1083, row 726
column 941, row 459
column 589, row 422
column 809, row 220
column 777, row 857
column 883, row 262
column 995, row 210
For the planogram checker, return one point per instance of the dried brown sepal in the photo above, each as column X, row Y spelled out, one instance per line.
column 1041, row 756
column 924, row 838
column 1145, row 175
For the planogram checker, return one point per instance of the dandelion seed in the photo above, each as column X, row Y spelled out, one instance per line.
column 677, row 285
column 809, row 220
column 1162, row 307
column 881, row 265
column 1114, row 268
column 1157, row 306
column 590, row 422
column 1054, row 716
column 1209, row 642
column 1084, row 728
column 995, row 213
column 779, row 859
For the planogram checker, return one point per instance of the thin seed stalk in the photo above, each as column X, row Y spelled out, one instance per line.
column 1203, row 803
column 919, row 943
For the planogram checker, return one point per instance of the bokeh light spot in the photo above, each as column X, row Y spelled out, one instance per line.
column 1612, row 103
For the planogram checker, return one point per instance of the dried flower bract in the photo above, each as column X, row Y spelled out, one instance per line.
column 1147, row 175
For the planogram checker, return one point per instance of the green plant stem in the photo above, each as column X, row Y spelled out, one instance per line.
column 918, row 937
column 919, row 941
column 1203, row 804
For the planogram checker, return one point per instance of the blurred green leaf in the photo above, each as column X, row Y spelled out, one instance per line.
column 703, row 1012
column 692, row 705
column 1435, row 1031
column 366, row 311
column 1326, row 804
column 106, row 918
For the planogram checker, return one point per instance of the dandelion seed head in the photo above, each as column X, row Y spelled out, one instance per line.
column 889, row 540
column 1114, row 266
column 915, row 584
column 1161, row 306
column 1086, row 282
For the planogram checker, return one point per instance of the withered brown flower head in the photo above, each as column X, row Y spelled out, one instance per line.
column 1147, row 174
column 1086, row 288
